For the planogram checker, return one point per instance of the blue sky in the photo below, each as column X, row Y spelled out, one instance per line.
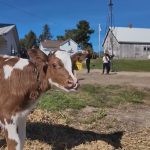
column 65, row 14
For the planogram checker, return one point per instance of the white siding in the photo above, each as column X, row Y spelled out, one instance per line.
column 45, row 50
column 9, row 43
column 70, row 46
column 126, row 50
column 110, row 40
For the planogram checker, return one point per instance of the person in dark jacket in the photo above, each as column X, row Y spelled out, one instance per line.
column 88, row 58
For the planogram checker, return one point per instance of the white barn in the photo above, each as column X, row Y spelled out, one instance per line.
column 128, row 42
column 9, row 39
column 51, row 45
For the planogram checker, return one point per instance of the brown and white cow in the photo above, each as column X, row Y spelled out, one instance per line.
column 79, row 56
column 21, row 83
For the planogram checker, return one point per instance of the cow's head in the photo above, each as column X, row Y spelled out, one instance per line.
column 56, row 68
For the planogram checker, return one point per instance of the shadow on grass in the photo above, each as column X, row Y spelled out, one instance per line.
column 62, row 137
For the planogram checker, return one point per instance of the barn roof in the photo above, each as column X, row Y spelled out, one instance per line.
column 4, row 28
column 132, row 35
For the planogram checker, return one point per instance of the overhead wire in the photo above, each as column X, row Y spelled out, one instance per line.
column 23, row 10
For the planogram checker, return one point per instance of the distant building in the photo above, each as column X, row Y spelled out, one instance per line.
column 51, row 45
column 128, row 42
column 9, row 39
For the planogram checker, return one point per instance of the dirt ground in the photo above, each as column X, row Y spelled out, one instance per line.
column 138, row 79
column 126, row 127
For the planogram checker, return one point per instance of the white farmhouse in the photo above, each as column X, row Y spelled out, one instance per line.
column 128, row 42
column 51, row 45
column 9, row 39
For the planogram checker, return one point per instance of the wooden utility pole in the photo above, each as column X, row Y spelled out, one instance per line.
column 111, row 21
column 111, row 30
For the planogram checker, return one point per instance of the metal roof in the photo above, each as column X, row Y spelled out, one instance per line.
column 132, row 35
column 4, row 28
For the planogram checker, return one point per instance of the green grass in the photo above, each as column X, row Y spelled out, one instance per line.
column 92, row 95
column 59, row 100
column 124, row 65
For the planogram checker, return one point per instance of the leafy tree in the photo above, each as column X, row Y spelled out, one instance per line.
column 22, row 43
column 81, row 34
column 71, row 34
column 46, row 34
column 60, row 37
column 28, row 41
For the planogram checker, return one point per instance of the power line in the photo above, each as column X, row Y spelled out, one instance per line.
column 23, row 10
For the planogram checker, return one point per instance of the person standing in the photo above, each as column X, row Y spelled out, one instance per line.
column 88, row 59
column 106, row 64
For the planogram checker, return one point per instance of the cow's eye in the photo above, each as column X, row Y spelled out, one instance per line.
column 54, row 65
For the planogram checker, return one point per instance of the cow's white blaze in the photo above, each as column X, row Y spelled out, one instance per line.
column 66, row 60
column 57, row 85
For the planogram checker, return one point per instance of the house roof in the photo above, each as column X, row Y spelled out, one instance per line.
column 54, row 43
column 67, row 41
column 51, row 43
column 4, row 28
column 131, row 35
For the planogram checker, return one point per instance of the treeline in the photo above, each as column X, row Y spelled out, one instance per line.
column 81, row 35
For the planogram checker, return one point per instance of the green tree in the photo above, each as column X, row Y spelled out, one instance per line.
column 22, row 43
column 81, row 34
column 71, row 34
column 60, row 37
column 46, row 34
column 28, row 41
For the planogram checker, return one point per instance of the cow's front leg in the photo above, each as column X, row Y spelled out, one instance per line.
column 22, row 130
column 15, row 133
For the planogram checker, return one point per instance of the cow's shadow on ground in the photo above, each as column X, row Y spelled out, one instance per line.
column 2, row 143
column 62, row 137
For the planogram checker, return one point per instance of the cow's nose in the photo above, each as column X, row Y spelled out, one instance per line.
column 70, row 83
column 76, row 85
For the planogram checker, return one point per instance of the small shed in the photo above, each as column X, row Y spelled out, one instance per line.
column 9, row 39
column 128, row 42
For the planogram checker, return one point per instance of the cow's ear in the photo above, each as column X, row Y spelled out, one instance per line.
column 37, row 56
column 52, row 53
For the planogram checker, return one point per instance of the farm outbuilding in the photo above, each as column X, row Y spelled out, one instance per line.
column 128, row 42
column 9, row 39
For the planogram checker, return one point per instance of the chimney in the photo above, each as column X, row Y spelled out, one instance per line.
column 130, row 25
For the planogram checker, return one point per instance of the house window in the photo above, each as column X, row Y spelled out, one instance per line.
column 148, row 48
column 144, row 48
